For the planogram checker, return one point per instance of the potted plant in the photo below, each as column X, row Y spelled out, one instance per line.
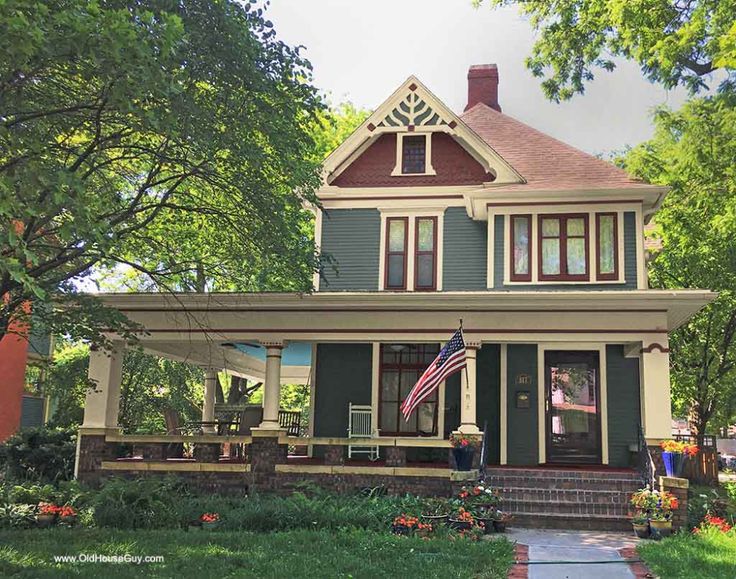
column 68, row 515
column 674, row 455
column 481, row 497
column 408, row 525
column 640, row 522
column 660, row 524
column 210, row 521
column 46, row 515
column 435, row 510
column 501, row 520
column 463, row 450
column 461, row 520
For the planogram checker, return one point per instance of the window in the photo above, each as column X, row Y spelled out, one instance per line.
column 606, row 225
column 425, row 253
column 521, row 252
column 413, row 154
column 401, row 366
column 564, row 247
column 396, row 242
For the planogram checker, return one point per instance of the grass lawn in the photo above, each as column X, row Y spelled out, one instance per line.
column 302, row 553
column 708, row 555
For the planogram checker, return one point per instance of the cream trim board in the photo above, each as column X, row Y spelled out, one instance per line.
column 537, row 248
column 542, row 347
column 490, row 274
column 503, row 402
column 411, row 216
column 428, row 169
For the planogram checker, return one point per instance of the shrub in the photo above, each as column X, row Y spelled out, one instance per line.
column 140, row 504
column 64, row 493
column 13, row 516
column 39, row 454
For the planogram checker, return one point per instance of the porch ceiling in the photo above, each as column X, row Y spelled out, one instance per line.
column 185, row 319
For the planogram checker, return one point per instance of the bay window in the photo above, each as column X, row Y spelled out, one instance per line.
column 563, row 241
column 397, row 231
column 425, row 253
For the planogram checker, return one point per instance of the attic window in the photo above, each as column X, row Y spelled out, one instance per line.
column 414, row 154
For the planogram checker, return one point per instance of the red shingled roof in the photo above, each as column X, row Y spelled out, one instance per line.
column 543, row 161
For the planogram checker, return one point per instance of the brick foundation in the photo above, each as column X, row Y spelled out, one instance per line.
column 92, row 450
column 678, row 487
column 206, row 452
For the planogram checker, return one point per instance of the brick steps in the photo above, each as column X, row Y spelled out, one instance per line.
column 572, row 522
column 565, row 507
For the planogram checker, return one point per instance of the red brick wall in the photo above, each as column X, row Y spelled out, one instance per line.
column 452, row 163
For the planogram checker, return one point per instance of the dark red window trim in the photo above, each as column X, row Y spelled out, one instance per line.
column 606, row 276
column 524, row 276
column 405, row 253
column 563, row 275
column 417, row 253
column 420, row 367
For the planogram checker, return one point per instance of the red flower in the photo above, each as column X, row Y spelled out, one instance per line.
column 209, row 518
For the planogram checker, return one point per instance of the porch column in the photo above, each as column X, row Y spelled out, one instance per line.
column 102, row 402
column 467, row 391
column 210, row 389
column 272, row 386
column 656, row 411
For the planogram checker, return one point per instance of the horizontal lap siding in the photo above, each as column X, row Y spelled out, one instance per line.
column 630, row 265
column 622, row 377
column 351, row 238
column 465, row 251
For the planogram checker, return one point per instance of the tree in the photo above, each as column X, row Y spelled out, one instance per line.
column 333, row 125
column 169, row 137
column 675, row 42
column 694, row 152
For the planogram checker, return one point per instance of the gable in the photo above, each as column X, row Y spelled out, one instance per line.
column 412, row 109
column 452, row 164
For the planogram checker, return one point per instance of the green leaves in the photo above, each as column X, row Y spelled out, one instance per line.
column 674, row 43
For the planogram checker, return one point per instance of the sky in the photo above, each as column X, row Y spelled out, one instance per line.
column 361, row 50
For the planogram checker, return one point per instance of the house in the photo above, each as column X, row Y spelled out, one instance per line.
column 431, row 217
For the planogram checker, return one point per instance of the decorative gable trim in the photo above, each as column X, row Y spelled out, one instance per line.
column 413, row 108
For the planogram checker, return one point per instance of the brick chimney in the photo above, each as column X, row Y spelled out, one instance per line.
column 483, row 86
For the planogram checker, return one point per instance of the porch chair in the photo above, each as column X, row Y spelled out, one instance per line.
column 359, row 426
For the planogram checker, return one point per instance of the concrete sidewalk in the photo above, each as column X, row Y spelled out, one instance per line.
column 576, row 554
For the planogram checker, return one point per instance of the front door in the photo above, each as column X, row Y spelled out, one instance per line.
column 572, row 388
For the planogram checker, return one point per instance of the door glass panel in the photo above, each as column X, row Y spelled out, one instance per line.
column 576, row 256
column 573, row 419
column 550, row 256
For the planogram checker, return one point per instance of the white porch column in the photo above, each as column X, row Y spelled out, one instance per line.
column 272, row 386
column 467, row 392
column 656, row 408
column 103, row 401
column 210, row 390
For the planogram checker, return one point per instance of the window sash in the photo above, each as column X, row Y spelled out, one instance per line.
column 407, row 366
column 425, row 255
column 392, row 256
column 516, row 275
column 609, row 273
column 563, row 238
column 413, row 154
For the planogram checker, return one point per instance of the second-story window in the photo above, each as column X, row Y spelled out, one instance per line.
column 607, row 246
column 396, row 242
column 425, row 253
column 563, row 247
column 414, row 154
column 521, row 249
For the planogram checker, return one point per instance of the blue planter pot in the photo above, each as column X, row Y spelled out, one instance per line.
column 463, row 458
column 674, row 462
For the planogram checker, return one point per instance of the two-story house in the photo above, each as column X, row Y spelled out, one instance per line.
column 429, row 217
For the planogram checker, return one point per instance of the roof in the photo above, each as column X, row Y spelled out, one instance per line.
column 544, row 162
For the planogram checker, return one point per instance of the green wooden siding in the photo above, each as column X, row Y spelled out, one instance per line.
column 343, row 375
column 351, row 238
column 522, row 431
column 630, row 250
column 488, row 392
column 465, row 251
column 623, row 405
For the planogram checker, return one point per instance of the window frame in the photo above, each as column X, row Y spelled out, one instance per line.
column 614, row 276
column 563, row 237
column 417, row 138
column 399, row 163
column 513, row 276
column 420, row 367
column 417, row 253
column 388, row 253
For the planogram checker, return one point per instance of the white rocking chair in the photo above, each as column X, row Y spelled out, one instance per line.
column 360, row 426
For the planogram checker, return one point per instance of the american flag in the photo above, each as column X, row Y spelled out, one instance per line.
column 450, row 359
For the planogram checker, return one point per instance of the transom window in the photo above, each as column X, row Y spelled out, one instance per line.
column 414, row 154
column 400, row 368
column 564, row 247
column 425, row 253
column 396, row 242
